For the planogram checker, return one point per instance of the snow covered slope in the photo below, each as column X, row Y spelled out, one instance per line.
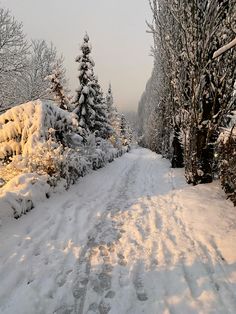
column 129, row 238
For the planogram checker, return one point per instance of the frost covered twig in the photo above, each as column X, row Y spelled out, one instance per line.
column 225, row 48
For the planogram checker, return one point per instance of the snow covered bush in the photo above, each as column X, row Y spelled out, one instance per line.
column 25, row 127
column 39, row 143
column 227, row 164
column 98, row 152
column 110, row 152
column 59, row 163
column 40, row 137
column 21, row 194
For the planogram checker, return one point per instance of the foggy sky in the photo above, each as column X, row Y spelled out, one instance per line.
column 118, row 35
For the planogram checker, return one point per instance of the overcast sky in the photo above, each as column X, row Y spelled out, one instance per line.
column 118, row 35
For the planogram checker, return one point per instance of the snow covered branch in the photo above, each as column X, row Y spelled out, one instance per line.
column 225, row 48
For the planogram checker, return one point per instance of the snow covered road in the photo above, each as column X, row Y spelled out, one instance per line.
column 128, row 238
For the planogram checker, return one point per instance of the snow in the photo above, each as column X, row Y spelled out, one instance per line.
column 38, row 137
column 226, row 134
column 81, row 100
column 21, row 194
column 24, row 127
column 132, row 237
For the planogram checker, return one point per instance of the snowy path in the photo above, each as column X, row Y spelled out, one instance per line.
column 129, row 238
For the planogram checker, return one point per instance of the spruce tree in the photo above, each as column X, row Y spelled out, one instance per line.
column 124, row 130
column 57, row 80
column 102, row 126
column 113, row 116
column 84, row 101
column 109, row 101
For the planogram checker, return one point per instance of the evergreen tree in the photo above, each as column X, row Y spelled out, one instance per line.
column 84, row 101
column 130, row 134
column 57, row 80
column 113, row 116
column 102, row 126
column 109, row 101
column 124, row 130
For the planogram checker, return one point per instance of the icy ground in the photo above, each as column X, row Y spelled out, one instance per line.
column 128, row 238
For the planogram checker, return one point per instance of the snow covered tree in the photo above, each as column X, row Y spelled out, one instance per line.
column 124, row 130
column 113, row 115
column 56, row 88
column 109, row 101
column 13, row 57
column 42, row 62
column 31, row 84
column 84, row 101
column 210, row 25
column 102, row 126
column 194, row 88
column 154, row 113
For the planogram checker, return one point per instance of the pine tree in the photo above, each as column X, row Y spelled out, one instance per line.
column 84, row 101
column 124, row 130
column 130, row 134
column 56, row 87
column 102, row 126
column 109, row 101
column 113, row 116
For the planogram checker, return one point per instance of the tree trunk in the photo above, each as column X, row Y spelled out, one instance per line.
column 200, row 157
column 177, row 157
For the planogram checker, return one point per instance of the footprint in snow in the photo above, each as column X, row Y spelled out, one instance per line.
column 139, row 286
column 104, row 308
column 110, row 294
